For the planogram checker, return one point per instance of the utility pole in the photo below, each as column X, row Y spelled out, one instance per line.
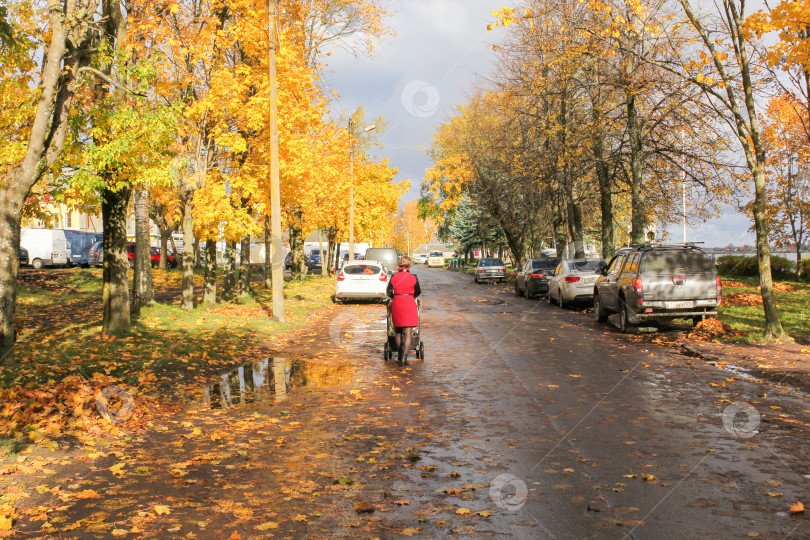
column 277, row 276
column 351, row 190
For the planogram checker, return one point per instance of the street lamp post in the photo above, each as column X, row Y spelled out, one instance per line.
column 351, row 184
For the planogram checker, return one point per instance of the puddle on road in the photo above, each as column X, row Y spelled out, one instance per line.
column 270, row 381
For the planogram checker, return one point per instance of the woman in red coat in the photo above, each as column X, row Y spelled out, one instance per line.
column 403, row 290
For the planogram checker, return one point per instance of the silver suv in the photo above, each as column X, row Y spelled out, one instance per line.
column 657, row 283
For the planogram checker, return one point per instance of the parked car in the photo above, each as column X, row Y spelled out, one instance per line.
column 385, row 256
column 435, row 259
column 655, row 283
column 46, row 247
column 95, row 257
column 422, row 258
column 171, row 260
column 492, row 269
column 154, row 256
column 23, row 256
column 365, row 280
column 573, row 281
column 288, row 261
column 532, row 280
column 315, row 260
column 80, row 243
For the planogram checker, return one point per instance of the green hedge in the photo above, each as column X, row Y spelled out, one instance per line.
column 734, row 265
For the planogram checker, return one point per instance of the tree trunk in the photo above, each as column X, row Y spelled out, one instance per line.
column 164, row 248
column 558, row 221
column 638, row 201
column 229, row 272
column 210, row 295
column 773, row 326
column 574, row 215
column 116, row 304
column 143, row 292
column 324, row 271
column 297, row 265
column 197, row 257
column 605, row 200
column 244, row 268
column 268, row 255
column 9, row 264
column 187, row 300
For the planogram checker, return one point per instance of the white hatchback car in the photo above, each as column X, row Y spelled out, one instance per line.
column 573, row 281
column 361, row 280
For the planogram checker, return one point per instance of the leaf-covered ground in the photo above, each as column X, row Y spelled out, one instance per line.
column 54, row 397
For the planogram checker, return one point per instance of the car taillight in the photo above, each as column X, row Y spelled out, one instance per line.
column 341, row 277
column 719, row 283
column 538, row 276
column 639, row 289
column 481, row 270
column 572, row 279
column 383, row 277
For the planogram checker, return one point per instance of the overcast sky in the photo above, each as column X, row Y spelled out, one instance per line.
column 417, row 76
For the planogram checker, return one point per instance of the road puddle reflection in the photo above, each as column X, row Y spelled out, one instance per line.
column 270, row 381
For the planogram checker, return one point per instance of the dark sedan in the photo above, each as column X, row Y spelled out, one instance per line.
column 533, row 277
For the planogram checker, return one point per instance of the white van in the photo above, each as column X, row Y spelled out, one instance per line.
column 46, row 247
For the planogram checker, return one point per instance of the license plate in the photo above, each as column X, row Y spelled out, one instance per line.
column 589, row 280
column 678, row 305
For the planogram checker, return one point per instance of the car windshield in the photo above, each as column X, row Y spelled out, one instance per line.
column 361, row 269
column 537, row 264
column 436, row 254
column 491, row 262
column 584, row 266
column 667, row 261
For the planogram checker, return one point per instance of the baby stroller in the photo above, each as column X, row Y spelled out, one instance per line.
column 391, row 344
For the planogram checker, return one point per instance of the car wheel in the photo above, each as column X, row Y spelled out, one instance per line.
column 549, row 298
column 624, row 317
column 599, row 313
column 517, row 289
column 561, row 300
column 696, row 320
column 526, row 293
column 37, row 264
column 475, row 280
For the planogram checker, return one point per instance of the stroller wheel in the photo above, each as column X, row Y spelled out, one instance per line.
column 420, row 352
column 386, row 352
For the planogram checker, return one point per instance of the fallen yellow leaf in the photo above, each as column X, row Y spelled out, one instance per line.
column 463, row 511
column 162, row 510
column 797, row 507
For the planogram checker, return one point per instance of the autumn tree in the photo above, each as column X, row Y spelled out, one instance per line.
column 37, row 135
column 410, row 230
column 788, row 208
column 723, row 69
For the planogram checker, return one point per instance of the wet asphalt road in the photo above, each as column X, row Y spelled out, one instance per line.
column 574, row 430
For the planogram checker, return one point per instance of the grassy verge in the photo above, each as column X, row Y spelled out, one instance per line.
column 164, row 338
column 750, row 320
column 63, row 358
